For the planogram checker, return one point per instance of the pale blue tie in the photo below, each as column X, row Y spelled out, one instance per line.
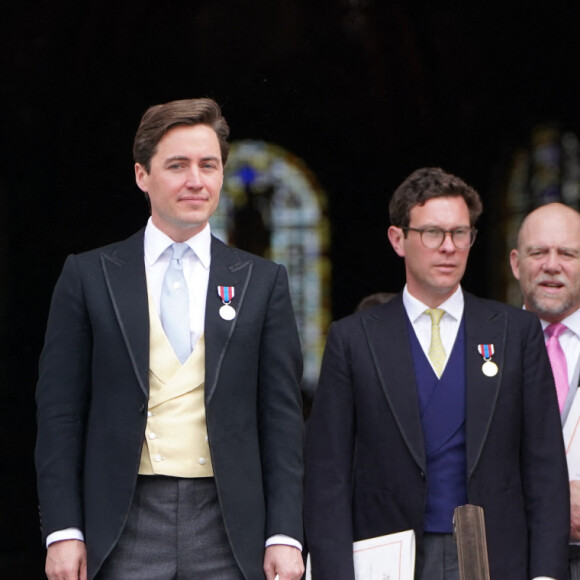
column 175, row 305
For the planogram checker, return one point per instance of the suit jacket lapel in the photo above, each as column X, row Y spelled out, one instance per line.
column 388, row 337
column 124, row 271
column 226, row 270
column 482, row 326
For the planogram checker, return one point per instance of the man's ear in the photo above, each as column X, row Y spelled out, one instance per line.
column 396, row 237
column 515, row 263
column 141, row 176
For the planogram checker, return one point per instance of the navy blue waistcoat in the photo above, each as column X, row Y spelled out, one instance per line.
column 442, row 405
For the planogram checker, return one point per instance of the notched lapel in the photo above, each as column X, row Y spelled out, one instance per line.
column 226, row 270
column 124, row 271
column 482, row 326
column 388, row 339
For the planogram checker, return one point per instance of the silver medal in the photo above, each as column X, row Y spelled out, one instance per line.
column 489, row 368
column 227, row 312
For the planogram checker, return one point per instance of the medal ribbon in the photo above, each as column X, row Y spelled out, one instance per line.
column 226, row 293
column 486, row 350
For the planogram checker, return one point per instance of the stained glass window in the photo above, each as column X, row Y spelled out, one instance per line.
column 545, row 170
column 272, row 205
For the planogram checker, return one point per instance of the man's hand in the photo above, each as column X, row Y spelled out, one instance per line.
column 66, row 560
column 286, row 561
column 575, row 510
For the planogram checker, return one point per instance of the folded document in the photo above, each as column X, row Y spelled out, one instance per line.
column 390, row 557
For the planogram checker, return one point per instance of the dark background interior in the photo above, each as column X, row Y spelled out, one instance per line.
column 364, row 91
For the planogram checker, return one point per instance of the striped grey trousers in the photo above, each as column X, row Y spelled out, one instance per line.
column 574, row 562
column 175, row 531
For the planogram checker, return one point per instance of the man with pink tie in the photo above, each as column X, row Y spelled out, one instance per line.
column 547, row 265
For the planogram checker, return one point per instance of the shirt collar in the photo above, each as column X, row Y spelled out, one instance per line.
column 452, row 306
column 156, row 243
column 572, row 321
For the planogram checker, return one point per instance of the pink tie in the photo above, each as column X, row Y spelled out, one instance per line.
column 558, row 361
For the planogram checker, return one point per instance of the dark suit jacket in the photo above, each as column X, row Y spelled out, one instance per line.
column 365, row 458
column 93, row 390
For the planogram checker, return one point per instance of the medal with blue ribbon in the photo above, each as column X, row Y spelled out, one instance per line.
column 489, row 368
column 226, row 293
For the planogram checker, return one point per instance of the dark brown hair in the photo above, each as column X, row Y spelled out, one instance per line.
column 425, row 184
column 159, row 119
column 374, row 300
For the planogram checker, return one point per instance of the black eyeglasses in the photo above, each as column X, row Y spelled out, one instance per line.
column 433, row 238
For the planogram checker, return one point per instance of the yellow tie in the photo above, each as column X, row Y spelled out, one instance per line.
column 436, row 350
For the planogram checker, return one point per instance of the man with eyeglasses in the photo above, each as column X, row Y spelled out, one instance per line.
column 434, row 400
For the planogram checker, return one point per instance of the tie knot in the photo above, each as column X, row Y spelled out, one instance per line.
column 178, row 250
column 436, row 314
column 555, row 329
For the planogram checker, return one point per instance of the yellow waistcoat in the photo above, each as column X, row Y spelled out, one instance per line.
column 176, row 440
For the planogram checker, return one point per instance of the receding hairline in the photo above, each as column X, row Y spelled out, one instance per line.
column 553, row 209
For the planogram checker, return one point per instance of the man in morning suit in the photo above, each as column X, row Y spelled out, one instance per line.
column 434, row 400
column 547, row 265
column 169, row 410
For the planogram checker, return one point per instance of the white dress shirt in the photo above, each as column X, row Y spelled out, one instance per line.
column 570, row 343
column 448, row 326
column 196, row 263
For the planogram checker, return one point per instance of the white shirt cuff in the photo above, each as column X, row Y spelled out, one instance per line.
column 284, row 540
column 76, row 534
column 68, row 534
